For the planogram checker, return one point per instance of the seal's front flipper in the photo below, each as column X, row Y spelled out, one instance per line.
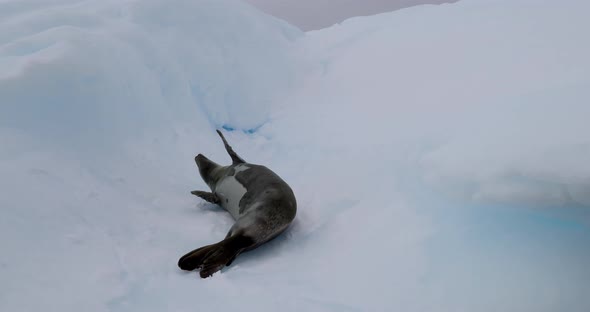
column 210, row 197
column 234, row 157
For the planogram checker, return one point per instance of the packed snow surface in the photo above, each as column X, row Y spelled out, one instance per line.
column 439, row 155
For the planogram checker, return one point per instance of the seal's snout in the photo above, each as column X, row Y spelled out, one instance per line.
column 200, row 158
column 206, row 168
column 203, row 162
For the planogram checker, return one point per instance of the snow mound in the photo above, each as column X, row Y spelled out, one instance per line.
column 133, row 65
column 493, row 97
column 414, row 142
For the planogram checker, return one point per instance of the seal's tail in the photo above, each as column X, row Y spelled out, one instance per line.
column 234, row 157
column 212, row 258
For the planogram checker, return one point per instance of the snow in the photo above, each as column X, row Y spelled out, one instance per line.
column 438, row 155
column 317, row 14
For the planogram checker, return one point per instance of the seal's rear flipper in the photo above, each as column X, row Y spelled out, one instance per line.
column 208, row 196
column 212, row 258
column 234, row 157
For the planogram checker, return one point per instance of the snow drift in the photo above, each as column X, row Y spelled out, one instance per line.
column 496, row 94
column 437, row 154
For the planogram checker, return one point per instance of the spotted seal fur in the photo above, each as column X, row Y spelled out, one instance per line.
column 262, row 204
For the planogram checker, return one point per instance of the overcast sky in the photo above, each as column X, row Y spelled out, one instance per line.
column 316, row 14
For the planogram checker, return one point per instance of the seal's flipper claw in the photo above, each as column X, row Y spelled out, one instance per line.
column 231, row 261
column 221, row 256
column 234, row 157
column 212, row 258
column 209, row 270
column 181, row 260
column 208, row 196
column 194, row 259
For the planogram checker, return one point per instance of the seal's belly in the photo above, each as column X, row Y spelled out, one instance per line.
column 230, row 192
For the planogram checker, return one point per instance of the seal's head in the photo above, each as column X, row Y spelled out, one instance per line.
column 207, row 169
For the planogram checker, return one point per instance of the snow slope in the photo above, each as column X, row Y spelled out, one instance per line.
column 438, row 155
column 317, row 14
